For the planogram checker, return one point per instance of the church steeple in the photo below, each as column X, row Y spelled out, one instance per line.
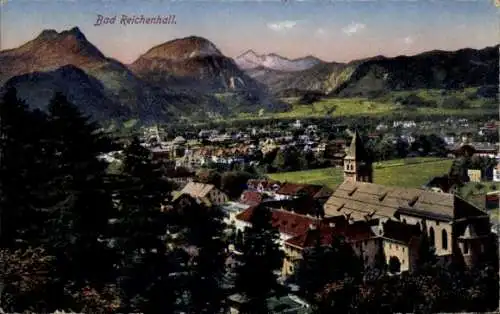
column 357, row 162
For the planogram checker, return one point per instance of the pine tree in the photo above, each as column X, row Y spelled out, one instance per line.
column 21, row 171
column 204, row 232
column 426, row 257
column 80, row 198
column 261, row 257
column 145, row 267
column 311, row 271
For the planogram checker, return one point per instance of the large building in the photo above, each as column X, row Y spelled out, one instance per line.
column 450, row 222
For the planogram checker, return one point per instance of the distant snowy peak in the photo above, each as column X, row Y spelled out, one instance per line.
column 251, row 60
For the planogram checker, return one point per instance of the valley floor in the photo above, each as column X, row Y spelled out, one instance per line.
column 409, row 172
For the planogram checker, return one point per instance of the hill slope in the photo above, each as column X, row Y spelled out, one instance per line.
column 46, row 58
column 378, row 75
column 195, row 65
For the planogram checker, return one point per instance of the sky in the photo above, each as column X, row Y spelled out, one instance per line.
column 333, row 30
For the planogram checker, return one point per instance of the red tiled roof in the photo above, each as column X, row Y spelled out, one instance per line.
column 358, row 231
column 251, row 198
column 290, row 188
column 286, row 222
column 294, row 189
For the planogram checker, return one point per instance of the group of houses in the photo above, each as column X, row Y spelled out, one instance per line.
column 373, row 218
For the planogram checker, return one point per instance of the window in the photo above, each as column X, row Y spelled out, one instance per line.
column 397, row 247
column 390, row 246
column 403, row 251
column 437, row 223
column 444, row 240
column 290, row 269
column 466, row 248
column 431, row 237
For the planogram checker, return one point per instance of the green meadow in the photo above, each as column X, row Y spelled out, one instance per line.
column 410, row 172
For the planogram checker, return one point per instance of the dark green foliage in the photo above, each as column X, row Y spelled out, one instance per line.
column 290, row 159
column 144, row 264
column 413, row 100
column 23, row 175
column 394, row 265
column 322, row 265
column 207, row 267
column 233, row 183
column 426, row 253
column 453, row 102
column 310, row 273
column 261, row 257
column 83, row 204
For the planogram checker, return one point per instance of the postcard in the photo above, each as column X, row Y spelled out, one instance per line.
column 187, row 156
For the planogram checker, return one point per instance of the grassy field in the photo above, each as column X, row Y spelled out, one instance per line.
column 411, row 172
column 359, row 106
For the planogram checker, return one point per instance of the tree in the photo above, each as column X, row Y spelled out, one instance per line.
column 261, row 257
column 338, row 297
column 426, row 257
column 145, row 267
column 394, row 265
column 23, row 171
column 384, row 149
column 26, row 278
column 80, row 199
column 209, row 177
column 205, row 232
column 310, row 273
column 234, row 182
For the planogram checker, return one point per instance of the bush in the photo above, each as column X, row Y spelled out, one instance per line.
column 394, row 265
column 453, row 102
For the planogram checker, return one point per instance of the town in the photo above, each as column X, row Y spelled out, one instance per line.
column 233, row 170
column 249, row 157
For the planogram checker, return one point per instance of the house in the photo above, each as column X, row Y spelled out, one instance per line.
column 206, row 192
column 270, row 186
column 289, row 224
column 180, row 176
column 293, row 190
column 496, row 173
column 251, row 198
column 475, row 149
column 231, row 210
column 444, row 217
column 401, row 242
column 474, row 175
column 360, row 236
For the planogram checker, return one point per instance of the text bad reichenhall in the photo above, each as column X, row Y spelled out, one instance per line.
column 134, row 19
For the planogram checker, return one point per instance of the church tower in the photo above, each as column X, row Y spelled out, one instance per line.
column 357, row 162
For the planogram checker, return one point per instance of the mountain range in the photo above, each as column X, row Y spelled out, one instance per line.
column 180, row 78
column 251, row 60
column 190, row 77
column 378, row 75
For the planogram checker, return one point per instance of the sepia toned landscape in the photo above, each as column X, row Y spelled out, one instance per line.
column 249, row 157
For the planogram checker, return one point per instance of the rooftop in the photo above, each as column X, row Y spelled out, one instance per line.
column 362, row 200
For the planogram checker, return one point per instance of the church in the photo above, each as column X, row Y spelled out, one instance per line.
column 399, row 214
